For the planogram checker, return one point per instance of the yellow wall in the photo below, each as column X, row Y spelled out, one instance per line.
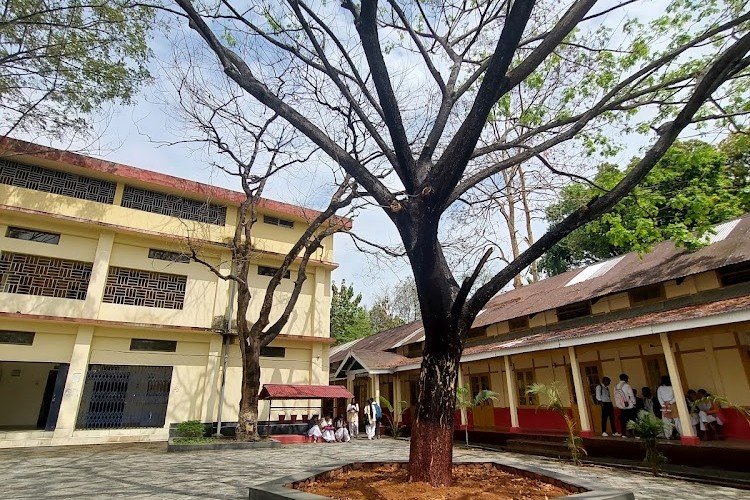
column 21, row 390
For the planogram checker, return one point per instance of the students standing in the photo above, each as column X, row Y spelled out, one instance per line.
column 608, row 411
column 665, row 395
column 370, row 419
column 352, row 418
column 625, row 401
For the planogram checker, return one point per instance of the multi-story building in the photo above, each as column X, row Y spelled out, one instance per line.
column 669, row 312
column 108, row 330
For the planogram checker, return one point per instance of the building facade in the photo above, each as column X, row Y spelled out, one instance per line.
column 108, row 330
column 670, row 312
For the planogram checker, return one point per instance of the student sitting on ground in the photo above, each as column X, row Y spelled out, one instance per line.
column 313, row 429
column 327, row 428
column 709, row 411
column 342, row 432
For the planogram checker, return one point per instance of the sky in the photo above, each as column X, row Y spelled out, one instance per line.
column 136, row 135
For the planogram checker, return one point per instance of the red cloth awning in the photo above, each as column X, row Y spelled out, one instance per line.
column 288, row 391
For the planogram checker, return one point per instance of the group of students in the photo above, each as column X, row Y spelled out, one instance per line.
column 343, row 430
column 705, row 412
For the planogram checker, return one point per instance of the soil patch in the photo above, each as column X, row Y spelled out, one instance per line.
column 470, row 481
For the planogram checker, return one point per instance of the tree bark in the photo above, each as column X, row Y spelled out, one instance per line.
column 247, row 417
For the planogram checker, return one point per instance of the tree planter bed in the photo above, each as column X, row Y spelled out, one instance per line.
column 219, row 444
column 481, row 479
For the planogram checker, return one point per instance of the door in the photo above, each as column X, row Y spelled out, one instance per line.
column 53, row 404
column 655, row 367
column 484, row 414
column 591, row 374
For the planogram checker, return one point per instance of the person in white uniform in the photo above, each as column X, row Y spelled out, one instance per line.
column 370, row 419
column 352, row 418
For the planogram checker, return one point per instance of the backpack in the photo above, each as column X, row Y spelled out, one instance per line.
column 621, row 400
column 378, row 412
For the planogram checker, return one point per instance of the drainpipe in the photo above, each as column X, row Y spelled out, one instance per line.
column 225, row 348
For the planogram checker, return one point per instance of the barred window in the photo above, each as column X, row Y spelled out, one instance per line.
column 174, row 206
column 154, row 253
column 576, row 310
column 45, row 276
column 271, row 271
column 56, row 182
column 275, row 221
column 516, row 324
column 20, row 233
column 134, row 287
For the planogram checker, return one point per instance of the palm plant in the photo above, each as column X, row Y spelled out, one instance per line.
column 393, row 417
column 551, row 393
column 464, row 402
column 649, row 428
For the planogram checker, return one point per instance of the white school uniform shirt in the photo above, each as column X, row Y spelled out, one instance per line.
column 629, row 396
column 602, row 394
column 665, row 394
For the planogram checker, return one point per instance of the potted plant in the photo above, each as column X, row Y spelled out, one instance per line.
column 293, row 417
column 282, row 416
column 465, row 402
column 649, row 428
column 554, row 402
column 305, row 417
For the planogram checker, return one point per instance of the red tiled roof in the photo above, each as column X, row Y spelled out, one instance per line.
column 288, row 391
column 186, row 186
column 380, row 341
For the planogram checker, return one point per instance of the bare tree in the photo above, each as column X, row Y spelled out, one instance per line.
column 687, row 66
column 254, row 149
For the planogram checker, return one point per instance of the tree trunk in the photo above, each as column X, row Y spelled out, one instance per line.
column 431, row 451
column 247, row 418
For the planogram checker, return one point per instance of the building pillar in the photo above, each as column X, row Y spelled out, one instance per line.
column 397, row 407
column 460, row 382
column 713, row 366
column 581, row 397
column 688, row 431
column 79, row 361
column 213, row 379
column 99, row 272
column 375, row 387
column 512, row 396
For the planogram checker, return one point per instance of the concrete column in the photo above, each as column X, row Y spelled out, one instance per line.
column 350, row 382
column 397, row 408
column 688, row 431
column 99, row 271
column 375, row 387
column 464, row 417
column 512, row 396
column 213, row 379
column 581, row 398
column 713, row 366
column 79, row 361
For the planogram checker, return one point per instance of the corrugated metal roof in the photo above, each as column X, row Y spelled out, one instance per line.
column 289, row 391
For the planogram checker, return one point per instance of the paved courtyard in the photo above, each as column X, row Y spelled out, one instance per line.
column 148, row 471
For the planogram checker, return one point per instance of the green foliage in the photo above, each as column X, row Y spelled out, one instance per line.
column 349, row 319
column 191, row 429
column 382, row 315
column 62, row 59
column 465, row 401
column 692, row 188
column 649, row 428
column 394, row 415
column 551, row 394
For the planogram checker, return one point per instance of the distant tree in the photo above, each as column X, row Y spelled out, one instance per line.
column 690, row 189
column 736, row 149
column 62, row 59
column 349, row 319
column 383, row 316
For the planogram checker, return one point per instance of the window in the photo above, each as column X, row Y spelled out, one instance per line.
column 273, row 352
column 153, row 253
column 173, row 206
column 271, row 271
column 17, row 338
column 646, row 294
column 414, row 350
column 153, row 345
column 44, row 276
column 524, row 378
column 735, row 274
column 133, row 287
column 476, row 333
column 275, row 221
column 20, row 233
column 576, row 310
column 480, row 383
column 591, row 373
column 56, row 182
column 516, row 324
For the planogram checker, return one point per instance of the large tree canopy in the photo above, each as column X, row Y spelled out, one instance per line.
column 692, row 188
column 349, row 319
column 420, row 101
column 62, row 59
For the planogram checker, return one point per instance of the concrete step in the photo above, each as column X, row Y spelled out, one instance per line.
column 538, row 449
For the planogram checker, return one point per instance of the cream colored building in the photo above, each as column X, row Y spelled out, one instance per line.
column 107, row 331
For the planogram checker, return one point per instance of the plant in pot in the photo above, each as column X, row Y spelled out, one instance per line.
column 649, row 428
column 551, row 392
column 394, row 416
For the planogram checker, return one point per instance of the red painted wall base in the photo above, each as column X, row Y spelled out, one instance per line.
column 690, row 440
column 515, row 430
column 587, row 434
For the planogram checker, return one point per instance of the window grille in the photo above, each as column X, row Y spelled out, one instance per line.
column 577, row 310
column 516, row 324
column 173, row 206
column 45, row 276
column 153, row 345
column 134, row 287
column 153, row 253
column 20, row 233
column 645, row 294
column 271, row 271
column 273, row 352
column 17, row 338
column 56, row 182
